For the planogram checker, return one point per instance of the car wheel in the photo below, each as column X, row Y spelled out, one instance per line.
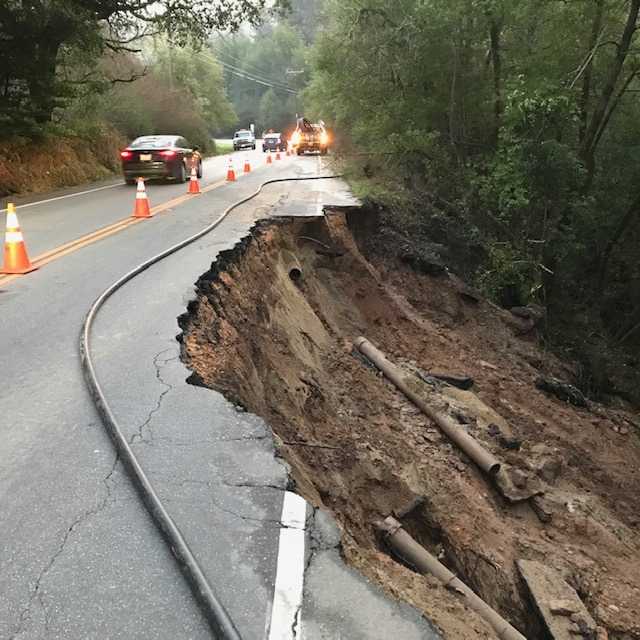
column 199, row 170
column 181, row 176
column 299, row 152
column 323, row 152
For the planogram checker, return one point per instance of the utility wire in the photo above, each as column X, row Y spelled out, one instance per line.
column 256, row 70
column 228, row 65
column 256, row 77
column 262, row 82
column 247, row 76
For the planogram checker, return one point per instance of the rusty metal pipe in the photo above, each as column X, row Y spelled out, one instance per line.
column 417, row 556
column 410, row 386
column 292, row 265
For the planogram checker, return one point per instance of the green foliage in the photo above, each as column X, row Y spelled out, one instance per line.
column 505, row 130
column 39, row 41
column 263, row 72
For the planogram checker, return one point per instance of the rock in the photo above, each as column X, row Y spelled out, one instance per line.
column 585, row 625
column 562, row 390
column 493, row 430
column 542, row 508
column 533, row 312
column 462, row 417
column 563, row 607
column 602, row 634
column 487, row 365
column 548, row 588
column 550, row 469
column 520, row 478
column 511, row 444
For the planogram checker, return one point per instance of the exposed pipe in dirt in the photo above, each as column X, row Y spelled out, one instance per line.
column 409, row 386
column 417, row 556
column 292, row 265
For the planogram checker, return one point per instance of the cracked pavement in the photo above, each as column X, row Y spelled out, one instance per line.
column 80, row 558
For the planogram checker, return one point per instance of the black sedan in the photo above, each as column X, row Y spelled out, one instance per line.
column 169, row 157
column 273, row 142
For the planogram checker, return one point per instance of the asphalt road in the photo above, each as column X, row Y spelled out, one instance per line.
column 79, row 556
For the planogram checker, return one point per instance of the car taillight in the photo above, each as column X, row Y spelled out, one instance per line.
column 168, row 153
column 125, row 155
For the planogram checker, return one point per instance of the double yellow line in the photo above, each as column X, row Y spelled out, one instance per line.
column 105, row 232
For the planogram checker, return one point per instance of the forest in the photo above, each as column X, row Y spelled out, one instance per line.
column 504, row 135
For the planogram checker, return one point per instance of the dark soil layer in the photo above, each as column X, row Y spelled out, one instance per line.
column 283, row 349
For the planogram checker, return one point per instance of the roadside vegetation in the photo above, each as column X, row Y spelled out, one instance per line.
column 265, row 72
column 78, row 80
column 503, row 138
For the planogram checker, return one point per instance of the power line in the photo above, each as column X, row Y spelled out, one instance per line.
column 244, row 63
column 260, row 72
column 248, row 76
column 252, row 76
column 266, row 84
column 251, row 73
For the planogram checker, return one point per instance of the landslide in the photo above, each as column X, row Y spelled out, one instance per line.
column 54, row 162
column 283, row 348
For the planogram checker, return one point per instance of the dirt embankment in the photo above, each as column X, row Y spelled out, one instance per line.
column 54, row 162
column 283, row 349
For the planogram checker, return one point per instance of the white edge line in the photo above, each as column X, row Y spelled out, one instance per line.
column 68, row 195
column 288, row 590
column 82, row 193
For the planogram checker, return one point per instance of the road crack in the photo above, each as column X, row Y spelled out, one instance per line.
column 36, row 593
column 158, row 364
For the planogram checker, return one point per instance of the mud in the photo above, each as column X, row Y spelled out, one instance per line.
column 283, row 348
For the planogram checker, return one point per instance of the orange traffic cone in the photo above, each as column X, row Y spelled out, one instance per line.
column 194, row 186
column 269, row 160
column 247, row 166
column 141, row 210
column 278, row 154
column 231, row 174
column 16, row 259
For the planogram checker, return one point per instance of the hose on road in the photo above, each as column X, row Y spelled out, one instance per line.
column 219, row 620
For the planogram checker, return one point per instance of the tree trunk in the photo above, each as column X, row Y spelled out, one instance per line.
column 583, row 103
column 623, row 225
column 495, row 33
column 42, row 80
column 613, row 104
column 453, row 90
column 591, row 137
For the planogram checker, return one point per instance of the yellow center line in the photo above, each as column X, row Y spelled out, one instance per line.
column 105, row 232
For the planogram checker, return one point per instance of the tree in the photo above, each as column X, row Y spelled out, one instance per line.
column 35, row 36
column 257, row 81
column 608, row 99
column 506, row 131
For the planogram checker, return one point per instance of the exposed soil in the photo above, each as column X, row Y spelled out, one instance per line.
column 55, row 162
column 283, row 349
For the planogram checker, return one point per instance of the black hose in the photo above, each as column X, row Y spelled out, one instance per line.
column 219, row 620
